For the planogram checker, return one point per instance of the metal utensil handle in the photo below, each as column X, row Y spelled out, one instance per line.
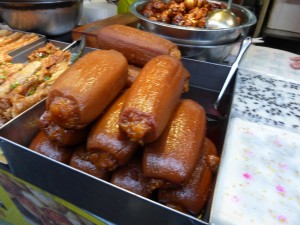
column 245, row 44
column 229, row 4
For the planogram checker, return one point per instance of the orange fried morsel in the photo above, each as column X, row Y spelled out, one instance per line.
column 59, row 135
column 131, row 178
column 191, row 4
column 148, row 13
column 81, row 160
column 158, row 5
column 107, row 145
column 194, row 16
column 165, row 16
column 176, row 7
column 84, row 90
column 201, row 22
column 174, row 155
column 192, row 197
column 199, row 13
column 43, row 145
column 178, row 19
column 152, row 98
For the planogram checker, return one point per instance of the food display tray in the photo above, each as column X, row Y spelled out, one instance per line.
column 20, row 56
column 18, row 51
column 99, row 197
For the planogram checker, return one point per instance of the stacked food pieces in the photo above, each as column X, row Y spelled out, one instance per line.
column 12, row 40
column 188, row 13
column 24, row 84
column 140, row 135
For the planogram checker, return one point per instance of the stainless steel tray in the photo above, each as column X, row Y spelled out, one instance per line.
column 97, row 196
column 42, row 38
column 21, row 56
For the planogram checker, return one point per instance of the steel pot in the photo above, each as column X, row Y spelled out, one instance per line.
column 48, row 17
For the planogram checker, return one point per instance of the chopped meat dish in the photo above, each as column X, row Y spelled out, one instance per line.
column 189, row 13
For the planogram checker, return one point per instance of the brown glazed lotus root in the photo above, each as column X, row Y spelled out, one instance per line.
column 131, row 178
column 84, row 90
column 108, row 146
column 43, row 145
column 81, row 160
column 174, row 155
column 59, row 135
column 152, row 98
column 192, row 196
column 138, row 46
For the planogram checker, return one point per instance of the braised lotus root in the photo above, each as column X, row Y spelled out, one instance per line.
column 81, row 160
column 83, row 91
column 108, row 146
column 174, row 155
column 190, row 13
column 152, row 98
column 193, row 195
column 44, row 146
column 131, row 178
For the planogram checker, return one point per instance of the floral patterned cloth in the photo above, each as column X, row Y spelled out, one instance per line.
column 259, row 177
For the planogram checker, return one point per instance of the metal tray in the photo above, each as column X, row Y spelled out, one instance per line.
column 21, row 56
column 97, row 196
column 42, row 38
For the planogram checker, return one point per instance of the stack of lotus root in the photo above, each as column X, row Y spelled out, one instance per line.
column 139, row 135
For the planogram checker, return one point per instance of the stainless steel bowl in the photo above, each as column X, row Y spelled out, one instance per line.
column 210, row 53
column 196, row 36
column 48, row 17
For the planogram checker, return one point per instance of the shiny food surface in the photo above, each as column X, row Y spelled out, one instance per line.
column 138, row 46
column 174, row 155
column 93, row 80
column 81, row 160
column 44, row 146
column 108, row 145
column 191, row 13
column 152, row 98
column 193, row 195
